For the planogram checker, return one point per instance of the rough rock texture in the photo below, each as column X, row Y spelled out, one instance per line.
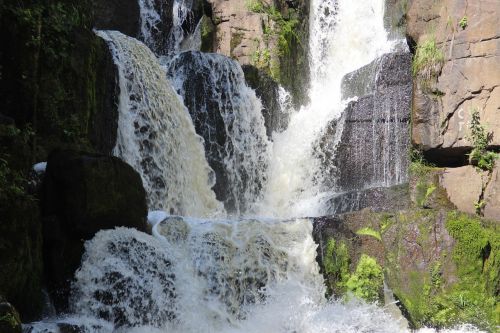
column 121, row 15
column 374, row 144
column 251, row 37
column 268, row 91
column 469, row 78
column 57, row 76
column 379, row 199
column 468, row 187
column 84, row 193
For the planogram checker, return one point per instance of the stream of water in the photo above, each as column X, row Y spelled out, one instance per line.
column 201, row 271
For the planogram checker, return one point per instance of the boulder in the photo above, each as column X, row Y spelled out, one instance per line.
column 467, row 81
column 455, row 180
column 82, row 194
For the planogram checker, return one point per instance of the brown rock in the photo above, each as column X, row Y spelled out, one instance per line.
column 492, row 196
column 469, row 79
column 464, row 186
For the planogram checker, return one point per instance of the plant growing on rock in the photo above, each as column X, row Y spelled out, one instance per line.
column 480, row 156
column 463, row 23
column 368, row 279
column 428, row 60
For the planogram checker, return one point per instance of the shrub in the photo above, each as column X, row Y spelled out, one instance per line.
column 428, row 60
column 480, row 156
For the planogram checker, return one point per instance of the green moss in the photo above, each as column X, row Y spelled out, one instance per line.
column 472, row 296
column 336, row 265
column 207, row 34
column 367, row 281
column 369, row 232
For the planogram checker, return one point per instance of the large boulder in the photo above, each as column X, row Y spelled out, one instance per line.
column 467, row 36
column 82, row 194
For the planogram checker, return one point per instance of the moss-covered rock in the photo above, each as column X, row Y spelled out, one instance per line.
column 10, row 322
column 82, row 194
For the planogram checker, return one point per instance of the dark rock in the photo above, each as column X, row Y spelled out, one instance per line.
column 121, row 15
column 84, row 193
column 379, row 199
column 4, row 120
column 267, row 90
column 21, row 253
column 374, row 145
column 10, row 322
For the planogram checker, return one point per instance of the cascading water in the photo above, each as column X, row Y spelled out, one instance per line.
column 202, row 275
column 156, row 135
column 349, row 34
column 227, row 113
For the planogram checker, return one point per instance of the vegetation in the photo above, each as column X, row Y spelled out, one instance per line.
column 480, row 155
column 428, row 60
column 369, row 232
column 336, row 265
column 367, row 281
column 463, row 23
column 282, row 30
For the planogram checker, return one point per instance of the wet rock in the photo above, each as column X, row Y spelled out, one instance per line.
column 374, row 142
column 82, row 194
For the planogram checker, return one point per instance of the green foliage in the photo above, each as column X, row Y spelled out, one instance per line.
column 480, row 156
column 428, row 60
column 367, row 231
column 419, row 166
column 424, row 191
column 367, row 281
column 463, row 23
column 336, row 265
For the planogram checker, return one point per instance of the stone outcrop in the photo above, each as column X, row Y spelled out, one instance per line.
column 373, row 147
column 468, row 36
column 473, row 191
column 82, row 194
column 248, row 31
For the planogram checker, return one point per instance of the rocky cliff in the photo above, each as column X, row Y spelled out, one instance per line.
column 456, row 78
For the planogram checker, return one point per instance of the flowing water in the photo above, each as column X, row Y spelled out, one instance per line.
column 217, row 275
column 156, row 135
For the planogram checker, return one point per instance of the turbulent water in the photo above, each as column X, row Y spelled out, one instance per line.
column 347, row 35
column 227, row 113
column 156, row 135
column 214, row 275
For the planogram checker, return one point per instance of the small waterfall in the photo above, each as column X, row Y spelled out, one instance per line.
column 227, row 113
column 348, row 35
column 156, row 135
column 181, row 38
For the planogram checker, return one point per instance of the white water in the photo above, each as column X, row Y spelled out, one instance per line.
column 221, row 104
column 201, row 275
column 347, row 35
column 156, row 135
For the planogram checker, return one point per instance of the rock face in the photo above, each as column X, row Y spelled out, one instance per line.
column 468, row 36
column 374, row 143
column 121, row 15
column 82, row 194
column 249, row 33
column 472, row 190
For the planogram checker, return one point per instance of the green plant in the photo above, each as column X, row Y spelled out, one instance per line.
column 368, row 279
column 419, row 166
column 463, row 23
column 479, row 206
column 424, row 192
column 480, row 156
column 428, row 60
column 367, row 231
column 336, row 264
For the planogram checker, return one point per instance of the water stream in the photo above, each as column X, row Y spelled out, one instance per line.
column 208, row 272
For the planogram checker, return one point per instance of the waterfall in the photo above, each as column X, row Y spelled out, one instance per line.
column 348, row 34
column 156, row 135
column 204, row 273
column 227, row 113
